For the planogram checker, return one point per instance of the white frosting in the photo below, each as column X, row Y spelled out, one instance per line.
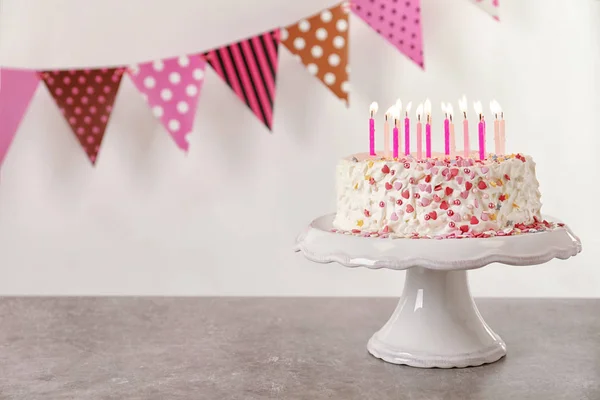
column 491, row 195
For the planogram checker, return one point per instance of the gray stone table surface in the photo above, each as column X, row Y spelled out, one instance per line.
column 278, row 348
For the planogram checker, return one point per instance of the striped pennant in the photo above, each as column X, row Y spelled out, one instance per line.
column 249, row 67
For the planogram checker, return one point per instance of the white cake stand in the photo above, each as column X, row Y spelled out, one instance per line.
column 436, row 322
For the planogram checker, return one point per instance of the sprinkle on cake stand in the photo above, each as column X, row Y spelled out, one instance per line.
column 436, row 323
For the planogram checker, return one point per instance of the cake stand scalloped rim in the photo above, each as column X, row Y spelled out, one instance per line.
column 568, row 246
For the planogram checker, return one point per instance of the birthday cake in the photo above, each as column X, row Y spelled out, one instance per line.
column 437, row 195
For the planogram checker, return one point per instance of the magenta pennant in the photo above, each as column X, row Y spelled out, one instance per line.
column 491, row 7
column 172, row 87
column 399, row 22
column 249, row 68
column 17, row 87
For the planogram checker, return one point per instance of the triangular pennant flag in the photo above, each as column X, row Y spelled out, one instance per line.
column 491, row 7
column 172, row 87
column 399, row 22
column 85, row 98
column 17, row 87
column 249, row 67
column 321, row 42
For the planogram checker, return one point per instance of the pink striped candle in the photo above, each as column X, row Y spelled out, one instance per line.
column 467, row 144
column 419, row 132
column 372, row 110
column 447, row 136
column 406, row 136
column 428, row 138
column 407, row 130
column 395, row 138
column 481, row 138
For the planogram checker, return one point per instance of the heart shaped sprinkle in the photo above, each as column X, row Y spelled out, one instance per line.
column 482, row 185
column 397, row 185
column 409, row 208
column 484, row 170
column 388, row 186
column 406, row 194
column 444, row 205
column 474, row 220
column 464, row 194
column 449, row 191
column 385, row 169
column 459, row 180
column 425, row 201
column 394, row 217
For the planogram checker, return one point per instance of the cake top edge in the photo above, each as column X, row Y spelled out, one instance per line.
column 439, row 159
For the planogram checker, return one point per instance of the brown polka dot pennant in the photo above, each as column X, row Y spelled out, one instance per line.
column 398, row 21
column 321, row 44
column 85, row 98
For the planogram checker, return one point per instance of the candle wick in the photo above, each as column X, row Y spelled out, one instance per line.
column 386, row 117
column 371, row 114
column 502, row 114
column 450, row 117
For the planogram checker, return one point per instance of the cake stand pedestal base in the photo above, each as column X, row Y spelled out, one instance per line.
column 436, row 324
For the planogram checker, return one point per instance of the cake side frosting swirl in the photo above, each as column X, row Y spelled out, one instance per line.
column 435, row 197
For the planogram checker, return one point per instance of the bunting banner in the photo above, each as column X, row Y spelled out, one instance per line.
column 172, row 88
column 321, row 43
column 399, row 22
column 17, row 87
column 85, row 98
column 249, row 68
column 492, row 7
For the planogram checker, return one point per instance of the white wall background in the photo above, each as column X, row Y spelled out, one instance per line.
column 221, row 220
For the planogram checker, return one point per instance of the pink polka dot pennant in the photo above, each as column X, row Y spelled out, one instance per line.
column 85, row 98
column 172, row 87
column 398, row 21
column 491, row 7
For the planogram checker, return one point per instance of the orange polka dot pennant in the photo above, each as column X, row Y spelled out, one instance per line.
column 85, row 98
column 321, row 44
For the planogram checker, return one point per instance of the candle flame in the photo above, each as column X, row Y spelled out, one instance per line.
column 427, row 107
column 399, row 106
column 495, row 108
column 499, row 109
column 419, row 111
column 450, row 110
column 408, row 107
column 389, row 113
column 395, row 113
column 478, row 108
column 444, row 108
column 373, row 108
column 463, row 105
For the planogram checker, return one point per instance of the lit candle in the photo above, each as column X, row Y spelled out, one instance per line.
column 450, row 111
column 396, row 116
column 386, row 133
column 372, row 110
column 398, row 143
column 479, row 110
column 494, row 110
column 428, row 129
column 462, row 103
column 501, row 123
column 407, row 130
column 419, row 132
column 446, row 130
